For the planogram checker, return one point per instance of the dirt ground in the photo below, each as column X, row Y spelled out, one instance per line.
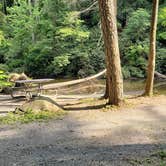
column 89, row 136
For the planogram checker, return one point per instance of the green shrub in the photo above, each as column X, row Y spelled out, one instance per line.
column 4, row 80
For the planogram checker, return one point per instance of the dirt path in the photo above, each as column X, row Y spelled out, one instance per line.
column 88, row 136
column 8, row 104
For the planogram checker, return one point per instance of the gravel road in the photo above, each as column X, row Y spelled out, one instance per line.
column 89, row 137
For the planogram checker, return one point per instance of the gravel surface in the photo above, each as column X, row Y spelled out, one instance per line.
column 89, row 137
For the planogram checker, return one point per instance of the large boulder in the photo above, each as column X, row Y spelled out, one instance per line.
column 40, row 104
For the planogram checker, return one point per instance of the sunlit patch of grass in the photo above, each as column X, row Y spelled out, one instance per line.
column 110, row 108
column 88, row 100
column 93, row 101
column 126, row 103
column 31, row 116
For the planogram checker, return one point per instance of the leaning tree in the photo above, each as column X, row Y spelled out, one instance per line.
column 113, row 64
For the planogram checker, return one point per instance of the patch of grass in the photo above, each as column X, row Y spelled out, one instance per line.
column 89, row 100
column 126, row 103
column 162, row 154
column 31, row 116
column 110, row 108
column 163, row 163
column 135, row 162
column 150, row 161
column 158, row 158
column 93, row 101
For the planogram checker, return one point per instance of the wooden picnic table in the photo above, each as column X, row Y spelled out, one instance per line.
column 29, row 86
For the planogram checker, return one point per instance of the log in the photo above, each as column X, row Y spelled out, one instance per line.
column 74, row 82
column 159, row 75
column 78, row 81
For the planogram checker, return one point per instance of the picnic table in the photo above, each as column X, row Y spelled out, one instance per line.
column 29, row 86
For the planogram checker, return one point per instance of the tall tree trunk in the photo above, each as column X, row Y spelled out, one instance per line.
column 106, row 95
column 152, row 51
column 110, row 35
column 4, row 7
column 30, row 13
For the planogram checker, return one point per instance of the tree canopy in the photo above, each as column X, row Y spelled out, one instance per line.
column 62, row 39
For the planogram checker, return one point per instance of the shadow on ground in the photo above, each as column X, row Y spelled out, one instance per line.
column 133, row 139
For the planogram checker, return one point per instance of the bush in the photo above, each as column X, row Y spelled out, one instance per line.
column 4, row 80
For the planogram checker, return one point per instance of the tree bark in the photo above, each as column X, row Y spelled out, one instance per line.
column 152, row 51
column 106, row 94
column 110, row 35
column 115, row 7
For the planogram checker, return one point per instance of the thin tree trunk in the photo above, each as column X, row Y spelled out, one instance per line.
column 4, row 7
column 30, row 12
column 110, row 35
column 152, row 51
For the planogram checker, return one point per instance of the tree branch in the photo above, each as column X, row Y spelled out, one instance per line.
column 89, row 8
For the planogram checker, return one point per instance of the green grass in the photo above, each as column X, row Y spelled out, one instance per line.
column 31, row 116
column 161, row 154
column 157, row 158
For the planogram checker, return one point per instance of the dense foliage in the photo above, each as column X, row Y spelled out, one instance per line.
column 4, row 80
column 59, row 38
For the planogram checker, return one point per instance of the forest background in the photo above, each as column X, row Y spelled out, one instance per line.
column 62, row 38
